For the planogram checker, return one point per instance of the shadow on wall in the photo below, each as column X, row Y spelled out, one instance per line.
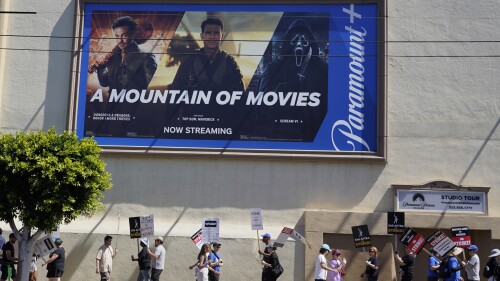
column 207, row 183
column 57, row 94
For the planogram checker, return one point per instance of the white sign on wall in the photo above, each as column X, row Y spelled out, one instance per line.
column 147, row 226
column 441, row 201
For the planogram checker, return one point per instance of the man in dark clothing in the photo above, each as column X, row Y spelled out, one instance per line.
column 8, row 257
column 209, row 69
column 130, row 67
column 407, row 264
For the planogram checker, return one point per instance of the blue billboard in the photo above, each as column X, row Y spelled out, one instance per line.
column 231, row 77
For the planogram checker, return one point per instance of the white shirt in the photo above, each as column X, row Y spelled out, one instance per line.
column 472, row 268
column 320, row 273
column 160, row 261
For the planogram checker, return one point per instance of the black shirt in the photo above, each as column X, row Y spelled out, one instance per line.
column 7, row 247
column 144, row 259
column 371, row 271
column 409, row 261
column 58, row 263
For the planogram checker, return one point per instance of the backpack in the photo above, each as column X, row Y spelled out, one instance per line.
column 443, row 268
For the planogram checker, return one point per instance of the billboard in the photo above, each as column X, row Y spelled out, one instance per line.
column 301, row 78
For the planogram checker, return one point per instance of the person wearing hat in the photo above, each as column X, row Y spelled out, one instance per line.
column 8, row 258
column 215, row 262
column 266, row 239
column 338, row 264
column 492, row 268
column 104, row 259
column 453, row 266
column 472, row 265
column 144, row 260
column 158, row 262
column 321, row 267
column 433, row 266
column 55, row 263
column 273, row 268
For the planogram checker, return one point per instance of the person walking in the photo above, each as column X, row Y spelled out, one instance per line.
column 158, row 262
column 104, row 259
column 491, row 265
column 8, row 258
column 273, row 269
column 406, row 263
column 33, row 268
column 144, row 260
column 266, row 239
column 338, row 266
column 55, row 263
column 215, row 262
column 453, row 266
column 433, row 266
column 371, row 270
column 472, row 266
column 321, row 267
column 203, row 263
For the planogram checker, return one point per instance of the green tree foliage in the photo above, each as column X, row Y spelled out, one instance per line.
column 47, row 179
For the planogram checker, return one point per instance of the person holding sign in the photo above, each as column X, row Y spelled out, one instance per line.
column 215, row 263
column 432, row 271
column 55, row 263
column 453, row 266
column 144, row 261
column 406, row 263
column 322, row 267
column 371, row 271
column 266, row 238
column 472, row 265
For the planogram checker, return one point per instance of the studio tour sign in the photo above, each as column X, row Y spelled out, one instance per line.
column 441, row 197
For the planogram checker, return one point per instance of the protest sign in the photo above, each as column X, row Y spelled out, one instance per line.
column 441, row 243
column 283, row 237
column 197, row 238
column 210, row 230
column 461, row 236
column 43, row 246
column 256, row 219
column 361, row 236
column 413, row 240
column 141, row 226
column 395, row 222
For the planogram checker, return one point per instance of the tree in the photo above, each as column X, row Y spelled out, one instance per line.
column 47, row 179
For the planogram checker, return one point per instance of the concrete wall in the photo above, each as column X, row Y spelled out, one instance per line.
column 443, row 119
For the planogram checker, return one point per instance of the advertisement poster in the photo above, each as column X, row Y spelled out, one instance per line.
column 246, row 77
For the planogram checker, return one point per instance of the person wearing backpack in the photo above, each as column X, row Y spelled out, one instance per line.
column 453, row 267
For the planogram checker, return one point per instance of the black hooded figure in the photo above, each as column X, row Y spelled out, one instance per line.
column 298, row 67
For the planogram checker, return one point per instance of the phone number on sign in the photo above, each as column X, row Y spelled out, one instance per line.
column 460, row 207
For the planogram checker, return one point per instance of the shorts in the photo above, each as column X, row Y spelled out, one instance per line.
column 54, row 272
column 5, row 271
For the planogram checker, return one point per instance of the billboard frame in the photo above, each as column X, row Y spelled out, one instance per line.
column 379, row 156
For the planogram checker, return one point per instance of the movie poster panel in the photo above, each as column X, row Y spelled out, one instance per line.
column 280, row 77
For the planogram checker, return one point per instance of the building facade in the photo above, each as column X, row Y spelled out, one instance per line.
column 438, row 130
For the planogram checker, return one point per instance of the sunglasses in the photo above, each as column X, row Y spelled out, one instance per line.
column 337, row 254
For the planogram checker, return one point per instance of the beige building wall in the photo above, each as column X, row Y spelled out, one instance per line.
column 443, row 112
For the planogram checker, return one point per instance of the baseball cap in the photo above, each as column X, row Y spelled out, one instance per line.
column 326, row 247
column 58, row 241
column 473, row 248
column 159, row 238
column 494, row 253
column 216, row 244
column 266, row 235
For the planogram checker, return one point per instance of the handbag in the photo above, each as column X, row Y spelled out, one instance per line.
column 277, row 270
column 342, row 272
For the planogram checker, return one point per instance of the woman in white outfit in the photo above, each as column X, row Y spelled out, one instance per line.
column 203, row 263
